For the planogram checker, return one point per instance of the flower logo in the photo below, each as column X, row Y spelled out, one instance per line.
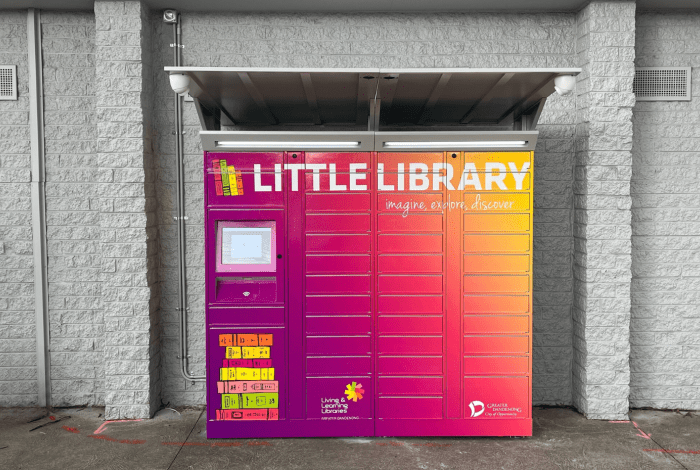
column 354, row 391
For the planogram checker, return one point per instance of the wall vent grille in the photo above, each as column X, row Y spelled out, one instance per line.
column 662, row 84
column 8, row 82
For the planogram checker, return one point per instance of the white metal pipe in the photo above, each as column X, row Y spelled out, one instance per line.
column 180, row 218
column 36, row 130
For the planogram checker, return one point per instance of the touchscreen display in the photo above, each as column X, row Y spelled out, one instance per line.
column 246, row 245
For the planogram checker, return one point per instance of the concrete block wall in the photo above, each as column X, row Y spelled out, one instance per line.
column 74, row 184
column 18, row 385
column 111, row 195
column 128, row 228
column 375, row 40
column 665, row 325
column 602, row 231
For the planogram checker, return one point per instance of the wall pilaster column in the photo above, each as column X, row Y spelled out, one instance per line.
column 128, row 224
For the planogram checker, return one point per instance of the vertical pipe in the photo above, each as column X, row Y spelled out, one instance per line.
column 36, row 130
column 180, row 217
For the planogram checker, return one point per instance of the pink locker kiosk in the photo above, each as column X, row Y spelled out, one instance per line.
column 371, row 272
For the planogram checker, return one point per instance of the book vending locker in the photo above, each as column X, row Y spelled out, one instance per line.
column 375, row 293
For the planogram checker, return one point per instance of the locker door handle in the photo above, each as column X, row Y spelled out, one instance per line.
column 279, row 256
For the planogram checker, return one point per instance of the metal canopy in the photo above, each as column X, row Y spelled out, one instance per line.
column 269, row 102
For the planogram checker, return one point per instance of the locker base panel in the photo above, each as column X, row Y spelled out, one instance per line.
column 454, row 427
column 288, row 428
column 368, row 428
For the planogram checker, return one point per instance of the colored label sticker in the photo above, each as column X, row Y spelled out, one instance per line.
column 233, row 352
column 246, row 340
column 225, row 340
column 240, row 363
column 232, row 180
column 265, row 340
column 244, row 386
column 230, row 400
column 217, row 179
column 256, row 352
column 230, row 415
column 227, row 373
column 224, row 178
column 260, row 400
column 239, row 183
column 246, row 373
column 262, row 362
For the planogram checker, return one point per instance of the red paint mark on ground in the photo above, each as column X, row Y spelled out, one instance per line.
column 390, row 443
column 203, row 444
column 122, row 441
column 673, row 451
column 259, row 443
column 430, row 444
column 641, row 433
column 52, row 418
column 103, row 425
column 618, row 422
column 73, row 430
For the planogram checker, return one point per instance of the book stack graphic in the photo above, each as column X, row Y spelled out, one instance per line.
column 227, row 181
column 247, row 382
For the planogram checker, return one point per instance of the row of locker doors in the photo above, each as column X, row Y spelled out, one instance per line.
column 397, row 298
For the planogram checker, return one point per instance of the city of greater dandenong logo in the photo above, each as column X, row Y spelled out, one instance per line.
column 477, row 408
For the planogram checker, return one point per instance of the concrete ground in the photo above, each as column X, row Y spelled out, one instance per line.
column 176, row 439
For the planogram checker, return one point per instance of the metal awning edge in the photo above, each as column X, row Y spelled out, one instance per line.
column 564, row 70
column 368, row 141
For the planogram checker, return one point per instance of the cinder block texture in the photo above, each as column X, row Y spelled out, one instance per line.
column 73, row 184
column 602, row 230
column 374, row 40
column 127, row 210
column 18, row 385
column 665, row 325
